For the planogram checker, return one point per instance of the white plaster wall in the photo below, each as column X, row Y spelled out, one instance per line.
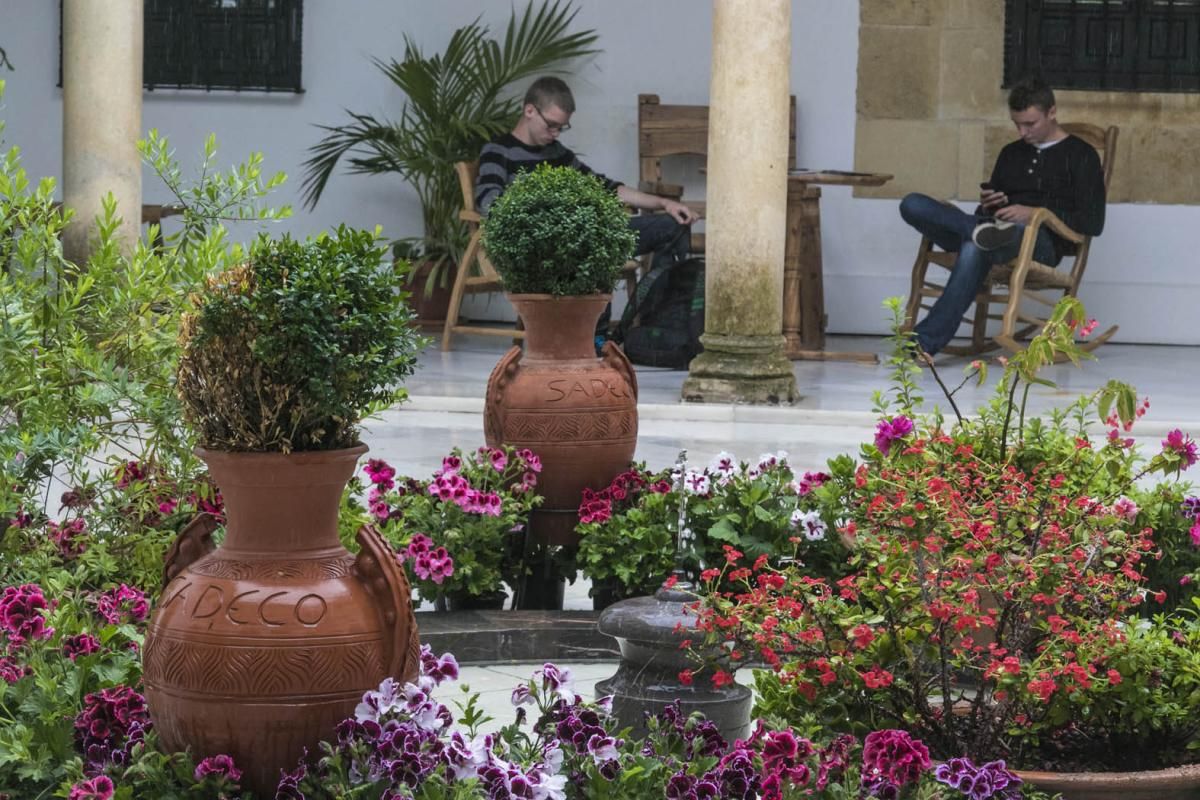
column 1143, row 274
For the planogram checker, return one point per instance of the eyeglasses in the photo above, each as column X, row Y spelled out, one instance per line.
column 553, row 127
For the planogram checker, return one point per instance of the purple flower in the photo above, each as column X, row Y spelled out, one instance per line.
column 894, row 756
column 111, row 722
column 558, row 681
column 440, row 668
column 1191, row 508
column 833, row 760
column 1182, row 444
column 991, row 781
column 22, row 610
column 219, row 766
column 888, row 431
column 98, row 788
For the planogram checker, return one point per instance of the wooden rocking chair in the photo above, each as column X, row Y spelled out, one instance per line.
column 1021, row 283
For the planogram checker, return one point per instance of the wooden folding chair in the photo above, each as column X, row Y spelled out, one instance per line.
column 488, row 280
column 474, row 259
column 1022, row 286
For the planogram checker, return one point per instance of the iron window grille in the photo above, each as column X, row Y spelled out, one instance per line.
column 237, row 45
column 1111, row 45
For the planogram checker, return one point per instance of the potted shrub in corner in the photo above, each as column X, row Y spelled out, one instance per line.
column 559, row 239
column 280, row 628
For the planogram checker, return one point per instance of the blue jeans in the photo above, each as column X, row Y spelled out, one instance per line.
column 950, row 228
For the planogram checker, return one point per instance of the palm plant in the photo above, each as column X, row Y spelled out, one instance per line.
column 457, row 101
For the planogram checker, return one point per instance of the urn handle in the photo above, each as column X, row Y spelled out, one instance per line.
column 193, row 543
column 493, row 407
column 385, row 580
column 615, row 358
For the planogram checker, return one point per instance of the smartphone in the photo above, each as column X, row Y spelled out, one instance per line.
column 986, row 186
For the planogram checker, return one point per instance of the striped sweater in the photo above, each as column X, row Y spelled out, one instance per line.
column 503, row 158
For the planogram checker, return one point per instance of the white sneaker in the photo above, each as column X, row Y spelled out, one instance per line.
column 996, row 234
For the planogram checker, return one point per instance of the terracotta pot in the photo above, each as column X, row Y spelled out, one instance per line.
column 576, row 411
column 260, row 647
column 1176, row 783
column 431, row 303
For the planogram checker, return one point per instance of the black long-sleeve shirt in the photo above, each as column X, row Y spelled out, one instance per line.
column 1065, row 177
column 505, row 156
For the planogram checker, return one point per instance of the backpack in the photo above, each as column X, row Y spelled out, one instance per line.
column 661, row 327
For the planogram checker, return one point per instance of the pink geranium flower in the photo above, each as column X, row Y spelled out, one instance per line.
column 1183, row 445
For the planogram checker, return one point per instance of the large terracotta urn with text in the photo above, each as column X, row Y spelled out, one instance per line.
column 259, row 647
column 576, row 411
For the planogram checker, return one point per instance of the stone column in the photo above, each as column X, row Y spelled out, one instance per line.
column 743, row 359
column 102, row 117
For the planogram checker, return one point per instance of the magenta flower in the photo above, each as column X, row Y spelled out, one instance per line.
column 888, row 431
column 380, row 473
column 83, row 644
column 97, row 788
column 130, row 472
column 122, row 604
column 1181, row 444
column 12, row 670
column 22, row 610
column 499, row 460
column 168, row 506
column 894, row 756
column 67, row 537
column 532, row 462
column 219, row 766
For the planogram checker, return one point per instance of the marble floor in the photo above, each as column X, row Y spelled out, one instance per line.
column 834, row 416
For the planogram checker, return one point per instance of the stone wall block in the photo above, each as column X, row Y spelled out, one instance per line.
column 971, row 74
column 1165, row 165
column 975, row 14
column 898, row 72
column 972, row 170
column 901, row 12
column 923, row 155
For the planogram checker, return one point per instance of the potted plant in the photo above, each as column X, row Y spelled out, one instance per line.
column 282, row 356
column 559, row 238
column 462, row 533
column 997, row 575
column 456, row 101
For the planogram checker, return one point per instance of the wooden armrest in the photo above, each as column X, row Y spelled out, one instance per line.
column 469, row 216
column 1046, row 217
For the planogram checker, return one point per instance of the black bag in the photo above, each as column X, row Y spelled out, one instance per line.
column 669, row 310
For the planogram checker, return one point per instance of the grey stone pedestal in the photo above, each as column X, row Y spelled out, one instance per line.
column 649, row 631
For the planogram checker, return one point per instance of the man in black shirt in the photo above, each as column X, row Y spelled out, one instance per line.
column 1045, row 168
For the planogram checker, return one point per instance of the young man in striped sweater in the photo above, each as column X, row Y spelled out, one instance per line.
column 546, row 114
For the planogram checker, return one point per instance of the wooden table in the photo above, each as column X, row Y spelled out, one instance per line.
column 803, row 288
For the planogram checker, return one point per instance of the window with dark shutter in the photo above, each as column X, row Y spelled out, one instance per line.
column 1110, row 45
column 238, row 45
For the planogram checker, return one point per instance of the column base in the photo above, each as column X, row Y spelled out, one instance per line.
column 741, row 369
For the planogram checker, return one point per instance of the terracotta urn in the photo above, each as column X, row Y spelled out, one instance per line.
column 259, row 647
column 576, row 411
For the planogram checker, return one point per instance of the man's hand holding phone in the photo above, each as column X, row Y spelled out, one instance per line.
column 990, row 198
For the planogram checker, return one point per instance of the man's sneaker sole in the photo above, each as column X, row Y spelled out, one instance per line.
column 994, row 235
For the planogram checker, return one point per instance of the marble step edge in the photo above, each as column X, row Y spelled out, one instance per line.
column 770, row 415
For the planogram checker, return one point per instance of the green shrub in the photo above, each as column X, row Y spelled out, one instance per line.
column 292, row 349
column 558, row 231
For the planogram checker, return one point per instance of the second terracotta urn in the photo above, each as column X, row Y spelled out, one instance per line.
column 577, row 411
